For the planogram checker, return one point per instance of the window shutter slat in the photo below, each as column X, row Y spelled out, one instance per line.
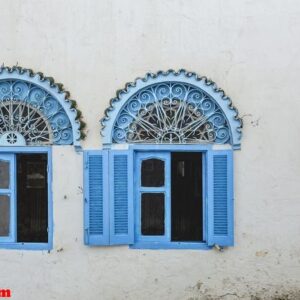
column 121, row 200
column 96, row 206
column 220, row 198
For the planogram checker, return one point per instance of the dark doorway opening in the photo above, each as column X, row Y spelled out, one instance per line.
column 186, row 195
column 32, row 198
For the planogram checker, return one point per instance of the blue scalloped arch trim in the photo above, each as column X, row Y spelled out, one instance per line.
column 222, row 103
column 51, row 100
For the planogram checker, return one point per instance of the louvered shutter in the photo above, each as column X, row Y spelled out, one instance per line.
column 96, row 205
column 121, row 199
column 220, row 198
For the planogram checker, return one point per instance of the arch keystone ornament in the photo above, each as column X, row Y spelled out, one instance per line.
column 171, row 108
column 36, row 111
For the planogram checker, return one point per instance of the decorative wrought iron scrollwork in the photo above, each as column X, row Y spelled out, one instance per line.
column 171, row 107
column 171, row 112
column 34, row 110
column 34, row 114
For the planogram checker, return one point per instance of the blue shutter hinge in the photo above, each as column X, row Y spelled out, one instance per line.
column 85, row 200
column 86, row 236
column 86, row 165
column 218, row 248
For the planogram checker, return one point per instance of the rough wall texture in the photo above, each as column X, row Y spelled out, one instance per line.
column 251, row 49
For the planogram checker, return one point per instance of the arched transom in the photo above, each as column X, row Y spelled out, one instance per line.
column 173, row 108
column 33, row 124
column 171, row 112
column 35, row 111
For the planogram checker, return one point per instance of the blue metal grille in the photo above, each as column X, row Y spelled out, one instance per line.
column 171, row 113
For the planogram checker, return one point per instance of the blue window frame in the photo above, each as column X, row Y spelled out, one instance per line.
column 143, row 189
column 113, row 190
column 8, row 155
column 141, row 152
column 7, row 197
column 153, row 117
column 35, row 111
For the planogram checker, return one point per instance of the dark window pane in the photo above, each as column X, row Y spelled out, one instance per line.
column 35, row 175
column 153, row 172
column 32, row 198
column 153, row 214
column 4, row 174
column 186, row 189
column 4, row 215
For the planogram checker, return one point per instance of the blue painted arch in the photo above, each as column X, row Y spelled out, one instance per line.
column 119, row 114
column 49, row 99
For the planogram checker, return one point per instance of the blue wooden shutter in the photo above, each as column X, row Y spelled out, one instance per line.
column 220, row 198
column 121, row 199
column 96, row 205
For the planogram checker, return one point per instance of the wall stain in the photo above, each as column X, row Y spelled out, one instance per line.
column 254, row 122
column 199, row 292
column 261, row 253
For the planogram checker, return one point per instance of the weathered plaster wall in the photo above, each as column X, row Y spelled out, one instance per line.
column 251, row 49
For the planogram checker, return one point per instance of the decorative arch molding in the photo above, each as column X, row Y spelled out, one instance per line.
column 171, row 107
column 34, row 110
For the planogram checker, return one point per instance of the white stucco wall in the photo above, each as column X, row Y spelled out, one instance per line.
column 251, row 49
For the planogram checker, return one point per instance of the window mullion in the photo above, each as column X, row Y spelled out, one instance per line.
column 168, row 202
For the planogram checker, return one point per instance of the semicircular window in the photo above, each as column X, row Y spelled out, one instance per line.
column 171, row 113
column 23, row 123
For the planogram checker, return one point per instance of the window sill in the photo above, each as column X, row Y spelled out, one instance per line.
column 26, row 246
column 170, row 245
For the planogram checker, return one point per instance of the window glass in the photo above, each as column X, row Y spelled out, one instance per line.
column 153, row 173
column 4, row 174
column 36, row 175
column 153, row 214
column 32, row 198
column 5, row 215
column 186, row 197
